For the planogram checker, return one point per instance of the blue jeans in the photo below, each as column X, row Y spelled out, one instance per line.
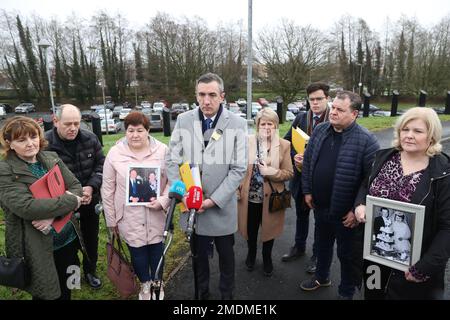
column 145, row 261
column 329, row 229
column 302, row 227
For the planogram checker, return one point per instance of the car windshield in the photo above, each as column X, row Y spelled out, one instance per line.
column 156, row 117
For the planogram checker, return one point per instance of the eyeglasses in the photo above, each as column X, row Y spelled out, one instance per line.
column 316, row 99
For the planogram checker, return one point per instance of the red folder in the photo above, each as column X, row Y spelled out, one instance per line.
column 51, row 185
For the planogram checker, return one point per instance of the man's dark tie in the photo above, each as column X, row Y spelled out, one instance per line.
column 316, row 121
column 208, row 122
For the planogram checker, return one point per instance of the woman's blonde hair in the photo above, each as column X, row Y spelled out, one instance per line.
column 16, row 127
column 266, row 114
column 432, row 122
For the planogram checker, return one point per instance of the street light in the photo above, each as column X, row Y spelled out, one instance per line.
column 93, row 48
column 360, row 77
column 44, row 44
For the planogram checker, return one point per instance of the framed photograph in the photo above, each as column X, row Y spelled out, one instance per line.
column 142, row 184
column 393, row 232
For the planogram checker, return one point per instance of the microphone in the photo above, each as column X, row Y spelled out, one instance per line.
column 176, row 194
column 194, row 203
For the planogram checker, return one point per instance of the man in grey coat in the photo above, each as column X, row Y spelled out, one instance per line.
column 215, row 140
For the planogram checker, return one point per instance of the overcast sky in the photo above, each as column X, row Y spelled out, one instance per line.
column 320, row 14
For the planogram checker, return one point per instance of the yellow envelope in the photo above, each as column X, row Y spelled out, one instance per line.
column 299, row 140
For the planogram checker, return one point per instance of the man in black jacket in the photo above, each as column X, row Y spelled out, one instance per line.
column 318, row 98
column 82, row 152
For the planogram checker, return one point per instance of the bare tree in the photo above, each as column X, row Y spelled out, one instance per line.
column 289, row 52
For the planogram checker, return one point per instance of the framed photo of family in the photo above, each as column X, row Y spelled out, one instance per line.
column 142, row 184
column 393, row 232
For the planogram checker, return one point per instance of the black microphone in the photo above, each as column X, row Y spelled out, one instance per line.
column 176, row 194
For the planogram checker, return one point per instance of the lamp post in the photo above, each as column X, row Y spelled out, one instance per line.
column 44, row 44
column 93, row 48
column 360, row 78
column 104, row 101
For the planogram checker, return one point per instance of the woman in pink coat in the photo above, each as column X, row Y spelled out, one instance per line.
column 140, row 226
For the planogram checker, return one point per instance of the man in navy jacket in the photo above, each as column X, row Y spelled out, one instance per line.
column 338, row 157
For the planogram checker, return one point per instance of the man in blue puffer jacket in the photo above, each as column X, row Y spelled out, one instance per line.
column 338, row 157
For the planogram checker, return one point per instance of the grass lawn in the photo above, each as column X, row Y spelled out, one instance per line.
column 179, row 246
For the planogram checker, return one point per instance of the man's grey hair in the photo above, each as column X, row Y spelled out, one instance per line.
column 210, row 77
column 355, row 99
column 60, row 110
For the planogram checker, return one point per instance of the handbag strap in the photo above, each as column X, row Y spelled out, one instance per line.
column 119, row 247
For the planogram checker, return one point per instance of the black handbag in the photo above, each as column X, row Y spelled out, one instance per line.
column 13, row 271
column 279, row 200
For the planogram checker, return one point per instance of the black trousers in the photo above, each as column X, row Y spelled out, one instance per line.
column 89, row 225
column 254, row 219
column 204, row 250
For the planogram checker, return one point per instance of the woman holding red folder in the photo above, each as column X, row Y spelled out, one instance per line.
column 47, row 254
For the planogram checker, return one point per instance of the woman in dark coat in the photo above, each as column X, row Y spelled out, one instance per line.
column 414, row 171
column 47, row 253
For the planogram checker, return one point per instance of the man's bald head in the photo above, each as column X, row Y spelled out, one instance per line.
column 67, row 121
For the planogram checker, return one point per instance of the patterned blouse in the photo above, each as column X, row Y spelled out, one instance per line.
column 256, row 189
column 390, row 182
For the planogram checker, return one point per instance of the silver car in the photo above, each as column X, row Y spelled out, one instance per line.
column 25, row 107
column 156, row 121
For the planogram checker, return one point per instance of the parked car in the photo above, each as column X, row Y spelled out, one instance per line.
column 290, row 116
column 158, row 106
column 255, row 108
column 7, row 107
column 439, row 110
column 116, row 111
column 292, row 107
column 108, row 114
column 147, row 111
column 2, row 112
column 146, row 104
column 114, row 125
column 123, row 113
column 156, row 121
column 110, row 105
column 86, row 115
column 263, row 102
column 273, row 106
column 25, row 107
column 241, row 102
column 178, row 108
column 237, row 111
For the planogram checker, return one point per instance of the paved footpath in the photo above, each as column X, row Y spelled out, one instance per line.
column 284, row 284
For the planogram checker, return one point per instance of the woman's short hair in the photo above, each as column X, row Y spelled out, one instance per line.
column 16, row 127
column 266, row 114
column 136, row 118
column 432, row 122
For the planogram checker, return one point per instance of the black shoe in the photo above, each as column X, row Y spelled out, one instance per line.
column 93, row 281
column 268, row 269
column 293, row 254
column 250, row 263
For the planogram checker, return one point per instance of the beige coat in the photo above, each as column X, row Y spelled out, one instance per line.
column 278, row 158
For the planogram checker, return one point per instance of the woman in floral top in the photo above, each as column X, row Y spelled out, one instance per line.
column 414, row 171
